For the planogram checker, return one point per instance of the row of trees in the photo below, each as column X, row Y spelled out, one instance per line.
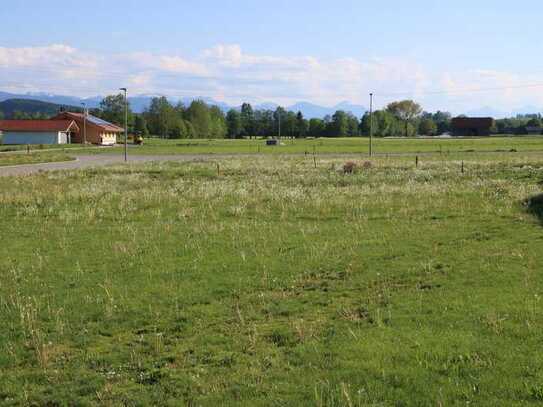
column 19, row 115
column 199, row 120
column 404, row 118
column 264, row 123
column 519, row 124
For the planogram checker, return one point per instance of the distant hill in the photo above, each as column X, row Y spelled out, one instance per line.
column 139, row 103
column 55, row 99
column 10, row 106
column 311, row 110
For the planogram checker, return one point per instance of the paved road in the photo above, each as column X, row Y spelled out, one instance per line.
column 88, row 161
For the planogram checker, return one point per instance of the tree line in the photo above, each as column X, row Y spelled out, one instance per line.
column 199, row 120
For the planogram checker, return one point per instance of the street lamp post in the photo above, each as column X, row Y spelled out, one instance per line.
column 371, row 124
column 84, row 123
column 125, row 123
column 279, row 118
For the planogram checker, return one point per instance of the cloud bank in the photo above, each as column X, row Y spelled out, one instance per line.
column 226, row 73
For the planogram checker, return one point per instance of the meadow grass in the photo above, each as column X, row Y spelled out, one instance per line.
column 265, row 281
column 357, row 145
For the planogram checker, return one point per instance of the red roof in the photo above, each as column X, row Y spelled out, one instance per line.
column 38, row 125
column 91, row 121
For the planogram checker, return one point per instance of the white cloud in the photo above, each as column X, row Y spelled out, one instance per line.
column 29, row 56
column 225, row 55
column 226, row 73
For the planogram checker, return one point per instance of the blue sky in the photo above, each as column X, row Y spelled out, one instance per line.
column 282, row 51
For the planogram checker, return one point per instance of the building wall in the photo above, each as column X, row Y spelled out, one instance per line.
column 94, row 135
column 63, row 137
column 16, row 137
column 475, row 132
column 109, row 138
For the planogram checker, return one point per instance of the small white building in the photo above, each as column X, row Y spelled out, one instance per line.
column 37, row 131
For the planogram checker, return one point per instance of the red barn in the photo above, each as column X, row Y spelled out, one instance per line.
column 472, row 126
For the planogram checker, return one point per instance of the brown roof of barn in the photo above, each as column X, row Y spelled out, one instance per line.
column 38, row 125
column 91, row 121
column 472, row 122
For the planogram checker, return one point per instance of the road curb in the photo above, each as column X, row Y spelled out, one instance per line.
column 44, row 163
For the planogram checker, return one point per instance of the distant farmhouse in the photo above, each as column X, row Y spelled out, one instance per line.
column 98, row 131
column 38, row 131
column 64, row 128
column 472, row 126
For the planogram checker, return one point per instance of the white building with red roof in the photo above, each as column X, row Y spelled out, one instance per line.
column 64, row 128
column 38, row 131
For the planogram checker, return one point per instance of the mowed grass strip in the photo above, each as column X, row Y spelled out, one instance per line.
column 267, row 281
column 8, row 159
column 358, row 145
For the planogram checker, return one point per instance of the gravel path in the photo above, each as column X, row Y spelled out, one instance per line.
column 88, row 161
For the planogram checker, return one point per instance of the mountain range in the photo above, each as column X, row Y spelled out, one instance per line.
column 488, row 111
column 141, row 102
column 310, row 110
column 10, row 106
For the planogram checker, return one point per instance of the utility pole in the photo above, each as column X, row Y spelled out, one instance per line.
column 125, row 123
column 371, row 124
column 84, row 123
column 279, row 118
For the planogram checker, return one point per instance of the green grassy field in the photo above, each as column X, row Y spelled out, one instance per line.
column 338, row 146
column 7, row 159
column 45, row 147
column 269, row 282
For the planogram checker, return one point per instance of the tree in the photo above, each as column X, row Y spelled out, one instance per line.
column 140, row 126
column 301, row 125
column 534, row 122
column 405, row 110
column 234, row 124
column 198, row 114
column 428, row 127
column 339, row 125
column 289, row 125
column 191, row 133
column 112, row 109
column 247, row 120
column 385, row 124
column 178, row 129
column 161, row 116
column 18, row 115
column 217, row 128
column 352, row 125
column 264, row 123
column 317, row 128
